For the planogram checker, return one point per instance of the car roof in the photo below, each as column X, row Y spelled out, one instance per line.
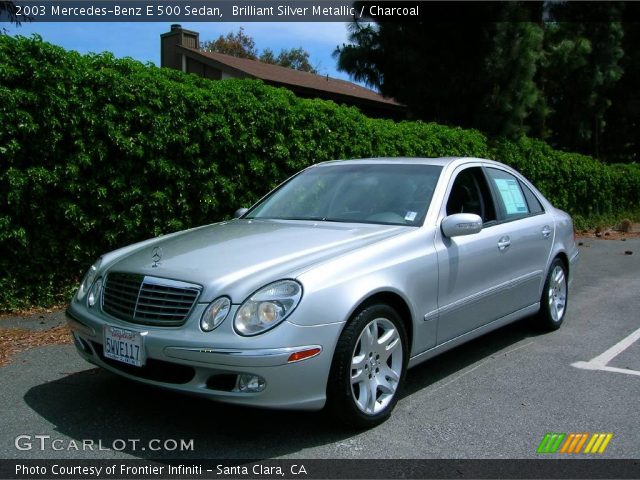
column 440, row 161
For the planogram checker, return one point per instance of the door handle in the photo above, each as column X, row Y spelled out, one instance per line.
column 504, row 243
column 546, row 231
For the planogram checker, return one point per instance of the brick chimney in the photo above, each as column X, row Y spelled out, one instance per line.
column 169, row 55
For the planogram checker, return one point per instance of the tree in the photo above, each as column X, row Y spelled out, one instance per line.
column 549, row 69
column 295, row 58
column 514, row 97
column 237, row 44
column 621, row 138
column 422, row 66
column 9, row 10
column 241, row 45
column 363, row 57
column 584, row 67
column 267, row 56
column 456, row 73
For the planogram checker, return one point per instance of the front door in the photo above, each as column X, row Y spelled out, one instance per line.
column 473, row 274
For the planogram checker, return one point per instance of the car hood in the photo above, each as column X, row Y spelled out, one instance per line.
column 236, row 258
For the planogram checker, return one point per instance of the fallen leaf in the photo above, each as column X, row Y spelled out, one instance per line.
column 16, row 340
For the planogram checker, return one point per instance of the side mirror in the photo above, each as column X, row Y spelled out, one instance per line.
column 460, row 224
column 239, row 212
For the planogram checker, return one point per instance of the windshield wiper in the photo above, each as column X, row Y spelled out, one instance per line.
column 326, row 219
column 287, row 218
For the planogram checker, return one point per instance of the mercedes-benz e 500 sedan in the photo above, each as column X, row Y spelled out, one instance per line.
column 329, row 288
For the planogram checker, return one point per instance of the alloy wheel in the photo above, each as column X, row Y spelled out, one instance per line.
column 376, row 366
column 557, row 293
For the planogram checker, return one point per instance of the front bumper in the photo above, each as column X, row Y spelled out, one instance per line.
column 188, row 360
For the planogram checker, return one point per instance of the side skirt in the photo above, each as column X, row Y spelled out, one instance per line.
column 454, row 342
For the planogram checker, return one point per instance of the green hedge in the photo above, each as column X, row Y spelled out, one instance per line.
column 98, row 152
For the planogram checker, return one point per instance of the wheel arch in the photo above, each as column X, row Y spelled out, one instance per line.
column 564, row 258
column 396, row 302
column 339, row 390
column 545, row 317
column 560, row 253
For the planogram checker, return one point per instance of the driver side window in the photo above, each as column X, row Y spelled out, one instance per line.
column 470, row 194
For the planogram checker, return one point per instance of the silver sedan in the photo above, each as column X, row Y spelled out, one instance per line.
column 328, row 289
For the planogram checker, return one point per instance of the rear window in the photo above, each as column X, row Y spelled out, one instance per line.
column 534, row 204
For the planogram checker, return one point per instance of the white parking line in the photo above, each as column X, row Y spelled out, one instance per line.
column 600, row 362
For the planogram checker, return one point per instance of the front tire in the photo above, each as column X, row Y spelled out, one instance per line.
column 368, row 367
column 553, row 304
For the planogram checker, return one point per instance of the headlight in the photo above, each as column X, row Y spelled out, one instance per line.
column 88, row 279
column 94, row 293
column 215, row 314
column 267, row 307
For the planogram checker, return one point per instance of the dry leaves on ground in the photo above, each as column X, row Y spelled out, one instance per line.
column 608, row 234
column 26, row 312
column 16, row 340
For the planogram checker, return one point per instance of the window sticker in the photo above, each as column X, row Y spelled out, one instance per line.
column 511, row 196
column 410, row 216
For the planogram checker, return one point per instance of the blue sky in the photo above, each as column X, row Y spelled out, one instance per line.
column 142, row 40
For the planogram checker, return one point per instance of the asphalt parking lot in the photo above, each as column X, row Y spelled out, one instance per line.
column 495, row 397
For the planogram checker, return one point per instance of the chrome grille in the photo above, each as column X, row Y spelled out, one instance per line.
column 148, row 300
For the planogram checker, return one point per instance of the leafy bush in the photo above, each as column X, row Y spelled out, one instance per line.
column 98, row 152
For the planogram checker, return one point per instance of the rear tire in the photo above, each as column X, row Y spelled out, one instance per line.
column 368, row 368
column 555, row 294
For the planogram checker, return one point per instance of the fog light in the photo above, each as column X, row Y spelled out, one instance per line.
column 250, row 383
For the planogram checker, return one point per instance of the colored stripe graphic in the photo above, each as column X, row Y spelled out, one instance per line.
column 566, row 445
column 581, row 442
column 551, row 442
column 572, row 443
column 598, row 442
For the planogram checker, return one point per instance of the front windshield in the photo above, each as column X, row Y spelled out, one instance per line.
column 395, row 194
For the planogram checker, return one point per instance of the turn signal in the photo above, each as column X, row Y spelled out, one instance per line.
column 303, row 354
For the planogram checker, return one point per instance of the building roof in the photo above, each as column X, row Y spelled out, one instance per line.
column 295, row 78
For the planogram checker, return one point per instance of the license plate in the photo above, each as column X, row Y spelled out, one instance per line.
column 123, row 345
